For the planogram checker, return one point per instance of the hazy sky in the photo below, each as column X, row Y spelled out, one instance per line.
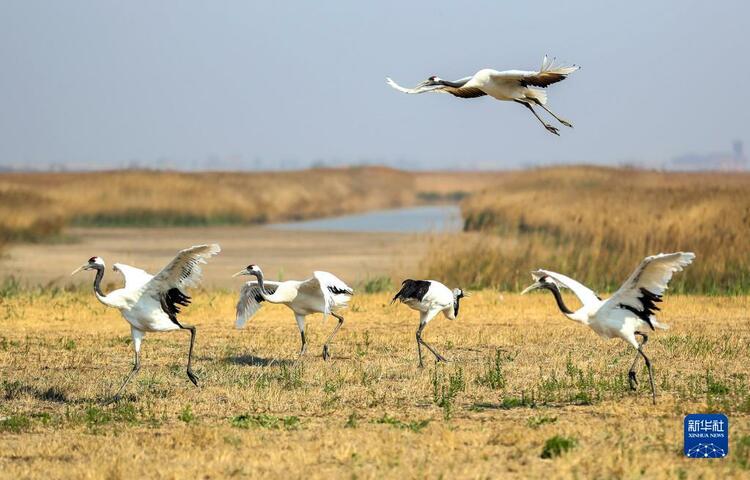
column 111, row 82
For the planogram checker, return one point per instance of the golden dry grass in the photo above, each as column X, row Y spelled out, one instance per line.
column 370, row 412
column 596, row 224
column 37, row 206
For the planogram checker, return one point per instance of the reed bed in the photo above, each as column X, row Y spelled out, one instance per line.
column 596, row 224
column 37, row 206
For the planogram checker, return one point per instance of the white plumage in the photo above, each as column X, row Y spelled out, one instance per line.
column 524, row 87
column 629, row 311
column 429, row 298
column 151, row 303
column 322, row 293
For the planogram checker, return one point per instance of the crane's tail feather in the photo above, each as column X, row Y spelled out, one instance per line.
column 659, row 325
column 548, row 66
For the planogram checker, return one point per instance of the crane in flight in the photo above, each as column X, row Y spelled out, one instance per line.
column 520, row 86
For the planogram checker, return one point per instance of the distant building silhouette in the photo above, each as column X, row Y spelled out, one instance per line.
column 723, row 161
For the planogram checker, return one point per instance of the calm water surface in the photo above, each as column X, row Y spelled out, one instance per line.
column 432, row 218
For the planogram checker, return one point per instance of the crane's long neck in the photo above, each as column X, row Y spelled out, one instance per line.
column 448, row 83
column 456, row 304
column 558, row 298
column 263, row 292
column 98, row 285
column 581, row 316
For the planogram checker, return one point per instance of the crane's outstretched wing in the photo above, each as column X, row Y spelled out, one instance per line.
column 548, row 74
column 134, row 277
column 584, row 294
column 250, row 300
column 183, row 272
column 646, row 285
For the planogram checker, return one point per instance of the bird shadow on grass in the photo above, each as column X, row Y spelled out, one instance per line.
column 13, row 390
column 255, row 361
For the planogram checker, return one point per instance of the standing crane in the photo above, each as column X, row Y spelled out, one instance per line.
column 629, row 311
column 150, row 303
column 322, row 293
column 429, row 298
column 520, row 86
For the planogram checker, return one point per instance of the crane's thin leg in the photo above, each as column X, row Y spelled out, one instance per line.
column 650, row 374
column 419, row 345
column 561, row 120
column 439, row 357
column 301, row 325
column 631, row 373
column 137, row 336
column 326, row 354
column 546, row 125
column 190, row 373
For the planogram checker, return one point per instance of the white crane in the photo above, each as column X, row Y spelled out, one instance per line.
column 520, row 86
column 429, row 298
column 629, row 311
column 151, row 303
column 322, row 293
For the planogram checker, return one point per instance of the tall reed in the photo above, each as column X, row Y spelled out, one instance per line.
column 596, row 224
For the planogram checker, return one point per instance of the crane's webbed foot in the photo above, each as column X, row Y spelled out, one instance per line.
column 552, row 129
column 565, row 122
column 326, row 353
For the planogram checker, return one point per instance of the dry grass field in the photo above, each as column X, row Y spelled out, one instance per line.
column 596, row 224
column 528, row 394
column 37, row 207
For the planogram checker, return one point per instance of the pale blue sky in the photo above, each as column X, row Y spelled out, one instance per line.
column 183, row 82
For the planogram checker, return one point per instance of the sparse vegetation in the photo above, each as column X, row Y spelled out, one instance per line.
column 519, row 376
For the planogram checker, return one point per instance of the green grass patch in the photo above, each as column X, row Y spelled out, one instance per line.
column 15, row 424
column 493, row 376
column 187, row 415
column 557, row 445
column 377, row 285
column 264, row 420
column 416, row 426
column 539, row 420
column 741, row 453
